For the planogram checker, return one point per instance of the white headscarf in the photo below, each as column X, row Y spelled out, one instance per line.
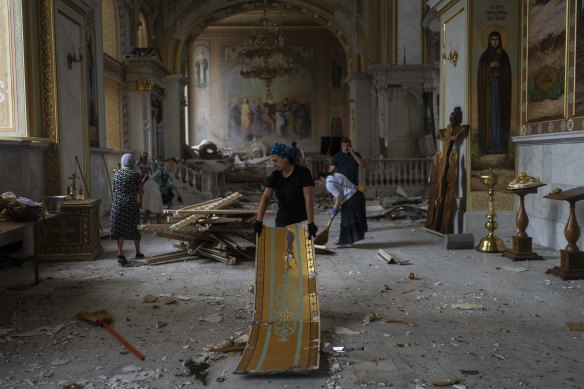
column 127, row 161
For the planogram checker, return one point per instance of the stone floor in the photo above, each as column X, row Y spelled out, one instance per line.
column 477, row 319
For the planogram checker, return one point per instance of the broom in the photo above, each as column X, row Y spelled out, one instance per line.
column 102, row 318
column 323, row 236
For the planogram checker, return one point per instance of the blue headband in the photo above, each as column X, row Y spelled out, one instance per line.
column 281, row 150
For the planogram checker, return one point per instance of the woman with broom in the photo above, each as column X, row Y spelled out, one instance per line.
column 293, row 185
column 351, row 203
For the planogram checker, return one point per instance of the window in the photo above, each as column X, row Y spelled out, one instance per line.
column 13, row 120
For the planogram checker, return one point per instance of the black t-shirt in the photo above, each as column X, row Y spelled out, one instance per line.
column 290, row 194
column 347, row 166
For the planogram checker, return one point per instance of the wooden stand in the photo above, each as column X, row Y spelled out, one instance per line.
column 522, row 248
column 72, row 235
column 571, row 258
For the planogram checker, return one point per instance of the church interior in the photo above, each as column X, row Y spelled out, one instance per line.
column 469, row 117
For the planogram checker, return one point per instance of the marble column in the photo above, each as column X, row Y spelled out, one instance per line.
column 174, row 108
column 361, row 118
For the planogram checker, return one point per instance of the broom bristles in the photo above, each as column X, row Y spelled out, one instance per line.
column 102, row 315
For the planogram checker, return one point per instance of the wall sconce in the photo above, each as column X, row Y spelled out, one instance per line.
column 452, row 55
column 74, row 58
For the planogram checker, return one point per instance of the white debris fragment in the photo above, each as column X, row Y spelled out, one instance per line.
column 214, row 318
column 131, row 368
column 478, row 307
column 60, row 362
column 345, row 331
column 515, row 269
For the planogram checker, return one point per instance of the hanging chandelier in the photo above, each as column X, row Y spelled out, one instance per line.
column 264, row 55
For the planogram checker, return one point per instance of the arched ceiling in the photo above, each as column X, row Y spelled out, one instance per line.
column 197, row 17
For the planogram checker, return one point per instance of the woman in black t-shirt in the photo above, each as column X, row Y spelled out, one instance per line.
column 293, row 185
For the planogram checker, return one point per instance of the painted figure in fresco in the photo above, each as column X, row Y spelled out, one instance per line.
column 201, row 67
column 234, row 120
column 245, row 118
column 336, row 68
column 494, row 97
column 336, row 124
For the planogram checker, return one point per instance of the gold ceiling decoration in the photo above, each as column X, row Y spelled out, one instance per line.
column 265, row 56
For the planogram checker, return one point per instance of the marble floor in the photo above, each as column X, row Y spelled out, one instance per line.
column 467, row 319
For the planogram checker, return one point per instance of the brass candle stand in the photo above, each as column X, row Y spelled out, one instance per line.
column 491, row 243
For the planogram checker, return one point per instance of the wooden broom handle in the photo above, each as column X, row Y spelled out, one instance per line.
column 119, row 337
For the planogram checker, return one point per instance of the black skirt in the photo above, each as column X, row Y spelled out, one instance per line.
column 353, row 219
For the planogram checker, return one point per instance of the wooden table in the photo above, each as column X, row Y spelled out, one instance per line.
column 571, row 258
column 522, row 247
column 7, row 226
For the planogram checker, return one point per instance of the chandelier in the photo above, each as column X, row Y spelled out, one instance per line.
column 264, row 55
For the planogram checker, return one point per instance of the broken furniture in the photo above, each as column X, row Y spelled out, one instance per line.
column 285, row 333
column 571, row 258
column 72, row 235
column 522, row 247
column 207, row 230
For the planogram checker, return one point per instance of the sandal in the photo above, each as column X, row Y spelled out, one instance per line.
column 139, row 255
column 122, row 260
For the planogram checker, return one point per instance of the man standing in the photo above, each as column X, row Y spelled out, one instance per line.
column 347, row 162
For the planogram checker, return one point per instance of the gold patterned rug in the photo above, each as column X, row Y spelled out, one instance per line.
column 285, row 334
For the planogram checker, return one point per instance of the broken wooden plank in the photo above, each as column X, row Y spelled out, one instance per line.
column 220, row 204
column 163, row 257
column 212, row 254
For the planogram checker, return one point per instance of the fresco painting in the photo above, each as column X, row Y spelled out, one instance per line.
column 495, row 98
column 546, row 71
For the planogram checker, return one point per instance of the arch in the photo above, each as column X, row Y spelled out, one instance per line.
column 196, row 22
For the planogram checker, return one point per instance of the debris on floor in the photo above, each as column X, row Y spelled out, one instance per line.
column 467, row 306
column 199, row 370
column 390, row 259
column 575, row 326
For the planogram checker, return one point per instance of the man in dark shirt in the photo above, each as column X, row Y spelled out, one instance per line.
column 347, row 162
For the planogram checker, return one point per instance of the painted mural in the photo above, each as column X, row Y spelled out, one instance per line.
column 494, row 58
column 201, row 67
column 282, row 115
column 546, row 71
column 579, row 91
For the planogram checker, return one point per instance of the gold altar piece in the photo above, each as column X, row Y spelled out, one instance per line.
column 491, row 243
column 285, row 334
column 571, row 258
column 524, row 181
column 522, row 247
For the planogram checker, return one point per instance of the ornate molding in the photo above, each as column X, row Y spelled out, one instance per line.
column 113, row 68
column 49, row 94
column 148, row 86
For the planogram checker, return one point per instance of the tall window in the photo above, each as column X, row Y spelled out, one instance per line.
column 142, row 31
column 13, row 121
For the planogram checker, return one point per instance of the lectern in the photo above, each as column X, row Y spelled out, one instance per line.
column 571, row 258
column 522, row 247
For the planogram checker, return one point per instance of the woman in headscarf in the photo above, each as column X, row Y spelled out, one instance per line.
column 125, row 212
column 351, row 203
column 293, row 185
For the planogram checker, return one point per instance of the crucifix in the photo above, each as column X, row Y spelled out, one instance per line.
column 72, row 189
